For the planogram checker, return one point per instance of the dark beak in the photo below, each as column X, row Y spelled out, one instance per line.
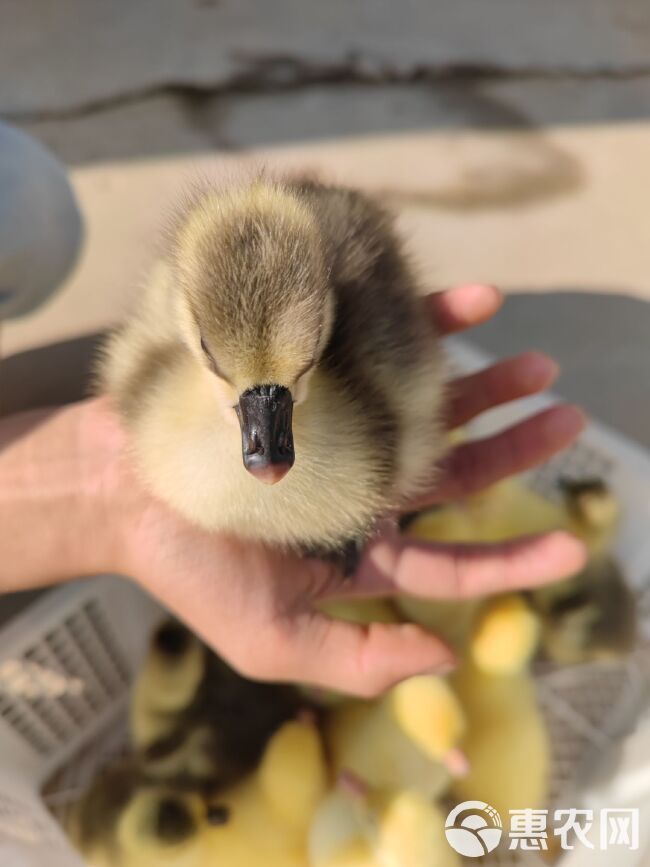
column 265, row 414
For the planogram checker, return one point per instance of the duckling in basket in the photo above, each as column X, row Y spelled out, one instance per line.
column 506, row 740
column 194, row 721
column 278, row 377
column 469, row 734
column 262, row 820
column 355, row 826
column 589, row 616
column 592, row 616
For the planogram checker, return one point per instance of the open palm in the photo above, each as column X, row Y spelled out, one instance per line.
column 257, row 606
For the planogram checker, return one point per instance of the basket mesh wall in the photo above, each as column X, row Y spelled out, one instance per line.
column 93, row 672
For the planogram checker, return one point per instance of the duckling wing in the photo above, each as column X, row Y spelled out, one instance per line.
column 383, row 350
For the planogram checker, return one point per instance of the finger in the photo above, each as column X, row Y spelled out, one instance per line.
column 361, row 660
column 402, row 565
column 507, row 380
column 473, row 466
column 462, row 307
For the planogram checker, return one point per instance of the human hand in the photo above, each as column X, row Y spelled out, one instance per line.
column 257, row 607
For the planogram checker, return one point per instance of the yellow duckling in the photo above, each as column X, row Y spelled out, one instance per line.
column 588, row 616
column 190, row 713
column 277, row 377
column 506, row 741
column 405, row 740
column 505, row 635
column 366, row 828
column 264, row 820
column 591, row 616
column 268, row 816
column 166, row 685
column 505, row 511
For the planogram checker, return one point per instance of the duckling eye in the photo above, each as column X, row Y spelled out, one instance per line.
column 213, row 364
column 206, row 351
column 218, row 814
column 305, row 369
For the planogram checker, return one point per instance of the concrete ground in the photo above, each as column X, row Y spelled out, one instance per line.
column 512, row 144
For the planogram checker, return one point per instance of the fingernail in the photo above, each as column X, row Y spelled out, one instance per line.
column 485, row 294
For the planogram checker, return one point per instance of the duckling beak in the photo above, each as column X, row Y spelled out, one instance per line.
column 265, row 414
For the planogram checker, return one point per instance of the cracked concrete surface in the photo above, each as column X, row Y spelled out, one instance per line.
column 77, row 53
column 180, row 121
column 488, row 184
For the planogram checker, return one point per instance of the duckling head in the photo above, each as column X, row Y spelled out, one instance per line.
column 591, row 503
column 256, row 307
column 160, row 825
column 173, row 670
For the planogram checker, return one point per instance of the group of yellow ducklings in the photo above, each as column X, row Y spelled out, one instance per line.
column 229, row 773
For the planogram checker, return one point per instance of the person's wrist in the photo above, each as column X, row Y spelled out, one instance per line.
column 108, row 491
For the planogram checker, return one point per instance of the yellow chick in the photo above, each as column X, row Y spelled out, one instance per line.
column 410, row 832
column 506, row 741
column 504, row 511
column 167, row 684
column 405, row 740
column 592, row 615
column 159, row 826
column 263, row 820
column 505, row 635
column 190, row 713
column 376, row 828
column 270, row 813
column 588, row 616
column 277, row 376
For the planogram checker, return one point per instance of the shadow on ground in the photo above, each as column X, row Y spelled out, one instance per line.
column 602, row 342
column 48, row 376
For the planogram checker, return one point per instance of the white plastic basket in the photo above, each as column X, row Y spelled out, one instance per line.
column 67, row 662
column 591, row 709
column 66, row 665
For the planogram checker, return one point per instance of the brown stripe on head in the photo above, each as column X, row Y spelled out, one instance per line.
column 251, row 265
